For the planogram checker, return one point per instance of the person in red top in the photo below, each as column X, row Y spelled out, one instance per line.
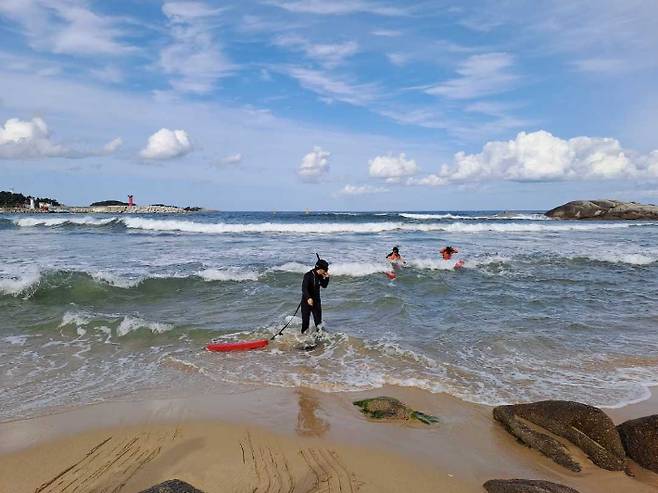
column 448, row 252
column 394, row 256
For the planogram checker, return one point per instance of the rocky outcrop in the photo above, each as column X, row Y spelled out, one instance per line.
column 585, row 426
column 604, row 209
column 525, row 486
column 388, row 408
column 640, row 440
column 172, row 486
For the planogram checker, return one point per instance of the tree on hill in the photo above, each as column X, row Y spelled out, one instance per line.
column 104, row 203
column 10, row 199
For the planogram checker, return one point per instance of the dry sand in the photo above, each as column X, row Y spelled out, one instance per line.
column 274, row 440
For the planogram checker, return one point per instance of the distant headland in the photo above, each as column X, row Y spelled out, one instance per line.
column 11, row 202
column 605, row 210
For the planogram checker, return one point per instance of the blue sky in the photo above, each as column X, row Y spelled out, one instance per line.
column 349, row 104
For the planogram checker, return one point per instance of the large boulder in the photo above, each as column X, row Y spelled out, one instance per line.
column 172, row 486
column 604, row 209
column 525, row 486
column 585, row 426
column 389, row 408
column 640, row 440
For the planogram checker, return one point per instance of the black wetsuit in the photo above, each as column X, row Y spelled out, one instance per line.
column 311, row 285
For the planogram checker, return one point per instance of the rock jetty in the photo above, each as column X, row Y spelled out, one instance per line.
column 605, row 210
column 124, row 209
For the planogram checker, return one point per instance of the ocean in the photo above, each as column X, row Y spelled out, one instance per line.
column 100, row 307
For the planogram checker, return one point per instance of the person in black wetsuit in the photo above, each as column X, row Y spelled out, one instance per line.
column 314, row 279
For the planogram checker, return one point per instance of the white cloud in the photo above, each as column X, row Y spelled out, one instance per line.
column 167, row 144
column 194, row 59
column 28, row 139
column 398, row 59
column 386, row 33
column 107, row 74
column 314, row 164
column 392, row 168
column 428, row 181
column 598, row 65
column 337, row 7
column 361, row 190
column 113, row 145
column 66, row 27
column 480, row 75
column 329, row 55
column 232, row 159
column 31, row 139
column 420, row 117
column 332, row 89
column 540, row 156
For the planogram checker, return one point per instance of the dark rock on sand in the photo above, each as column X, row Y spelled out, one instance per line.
column 525, row 486
column 640, row 440
column 604, row 209
column 172, row 486
column 585, row 426
column 392, row 409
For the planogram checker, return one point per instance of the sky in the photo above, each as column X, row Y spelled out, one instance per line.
column 340, row 105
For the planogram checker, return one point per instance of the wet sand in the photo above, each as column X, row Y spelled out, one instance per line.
column 274, row 439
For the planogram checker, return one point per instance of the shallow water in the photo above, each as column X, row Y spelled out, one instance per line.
column 100, row 307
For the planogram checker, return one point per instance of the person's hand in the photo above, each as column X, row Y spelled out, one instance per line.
column 310, row 301
column 326, row 275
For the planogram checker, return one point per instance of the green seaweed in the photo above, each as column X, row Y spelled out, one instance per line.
column 366, row 409
column 428, row 419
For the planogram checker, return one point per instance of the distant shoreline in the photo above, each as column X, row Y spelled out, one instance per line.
column 106, row 209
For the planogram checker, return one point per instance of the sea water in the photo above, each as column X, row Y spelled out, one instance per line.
column 107, row 307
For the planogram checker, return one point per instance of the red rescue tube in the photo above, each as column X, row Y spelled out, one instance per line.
column 224, row 347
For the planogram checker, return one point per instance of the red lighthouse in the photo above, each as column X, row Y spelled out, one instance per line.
column 130, row 201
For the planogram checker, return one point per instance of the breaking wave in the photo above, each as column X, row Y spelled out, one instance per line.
column 499, row 217
column 185, row 226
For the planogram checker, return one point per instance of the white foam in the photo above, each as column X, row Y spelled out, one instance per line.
column 16, row 285
column 16, row 340
column 493, row 259
column 459, row 227
column 131, row 324
column 75, row 318
column 434, row 263
column 350, row 269
column 228, row 274
column 498, row 217
column 59, row 221
column 116, row 280
column 378, row 227
column 616, row 258
column 429, row 217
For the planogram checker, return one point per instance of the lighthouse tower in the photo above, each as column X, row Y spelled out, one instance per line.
column 130, row 201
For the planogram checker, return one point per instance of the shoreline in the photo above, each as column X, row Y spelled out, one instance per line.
column 464, row 450
column 110, row 209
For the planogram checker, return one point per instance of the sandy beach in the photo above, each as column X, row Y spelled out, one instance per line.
column 271, row 439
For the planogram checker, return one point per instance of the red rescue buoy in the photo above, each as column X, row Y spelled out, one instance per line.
column 224, row 347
